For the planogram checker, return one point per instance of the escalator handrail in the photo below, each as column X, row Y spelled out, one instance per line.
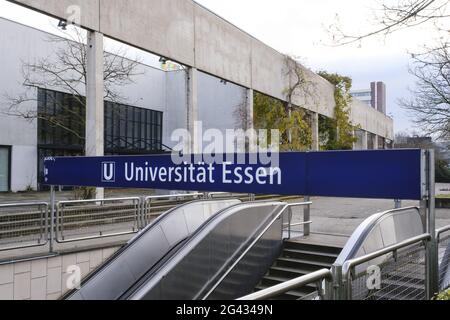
column 360, row 235
column 253, row 243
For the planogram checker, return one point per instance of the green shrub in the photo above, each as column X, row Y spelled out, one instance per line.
column 443, row 296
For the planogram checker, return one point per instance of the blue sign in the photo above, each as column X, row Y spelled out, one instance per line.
column 384, row 174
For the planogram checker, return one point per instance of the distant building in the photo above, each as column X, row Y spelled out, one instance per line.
column 374, row 97
column 363, row 95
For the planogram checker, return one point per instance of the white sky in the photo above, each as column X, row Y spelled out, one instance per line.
column 298, row 27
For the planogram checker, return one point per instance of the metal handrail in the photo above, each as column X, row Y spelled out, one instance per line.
column 182, row 195
column 286, row 206
column 97, row 200
column 27, row 204
column 58, row 216
column 250, row 196
column 439, row 232
column 324, row 274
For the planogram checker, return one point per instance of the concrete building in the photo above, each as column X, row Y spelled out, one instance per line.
column 214, row 83
column 374, row 97
column 157, row 96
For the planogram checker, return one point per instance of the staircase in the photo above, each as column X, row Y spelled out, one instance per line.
column 296, row 260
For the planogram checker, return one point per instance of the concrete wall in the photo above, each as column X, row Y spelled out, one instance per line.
column 151, row 89
column 218, row 107
column 371, row 120
column 184, row 31
column 46, row 278
column 20, row 44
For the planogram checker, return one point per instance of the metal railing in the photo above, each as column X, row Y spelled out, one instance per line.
column 153, row 206
column 253, row 243
column 226, row 195
column 29, row 224
column 92, row 219
column 321, row 279
column 443, row 241
column 23, row 225
column 292, row 222
column 397, row 272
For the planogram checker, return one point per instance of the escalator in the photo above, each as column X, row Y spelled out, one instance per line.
column 224, row 259
column 147, row 249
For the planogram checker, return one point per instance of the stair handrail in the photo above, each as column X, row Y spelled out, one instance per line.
column 253, row 243
column 323, row 274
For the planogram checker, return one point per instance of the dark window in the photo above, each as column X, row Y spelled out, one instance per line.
column 131, row 130
column 61, row 127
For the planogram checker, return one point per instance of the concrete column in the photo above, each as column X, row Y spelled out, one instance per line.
column 94, row 99
column 192, row 105
column 365, row 140
column 315, row 132
column 250, row 125
column 375, row 143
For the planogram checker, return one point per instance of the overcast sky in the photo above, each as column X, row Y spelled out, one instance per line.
column 299, row 28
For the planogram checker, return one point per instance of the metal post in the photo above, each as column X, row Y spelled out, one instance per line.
column 307, row 217
column 52, row 217
column 432, row 268
column 398, row 204
column 338, row 287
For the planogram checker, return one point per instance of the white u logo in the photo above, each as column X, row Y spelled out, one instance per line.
column 108, row 172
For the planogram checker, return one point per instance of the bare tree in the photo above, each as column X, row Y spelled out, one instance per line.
column 65, row 70
column 430, row 104
column 393, row 16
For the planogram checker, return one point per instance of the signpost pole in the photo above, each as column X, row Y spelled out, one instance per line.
column 52, row 217
column 432, row 269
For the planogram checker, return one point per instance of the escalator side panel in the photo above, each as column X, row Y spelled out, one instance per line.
column 248, row 272
column 175, row 229
column 146, row 250
column 194, row 270
column 104, row 288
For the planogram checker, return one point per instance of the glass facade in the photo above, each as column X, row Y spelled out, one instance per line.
column 61, row 127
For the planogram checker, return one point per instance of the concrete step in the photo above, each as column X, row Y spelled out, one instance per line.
column 290, row 273
column 313, row 247
column 316, row 255
column 302, row 264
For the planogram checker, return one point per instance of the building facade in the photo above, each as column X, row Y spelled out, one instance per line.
column 155, row 105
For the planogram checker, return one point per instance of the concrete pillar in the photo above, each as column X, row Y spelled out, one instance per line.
column 192, row 105
column 315, row 132
column 375, row 143
column 250, row 125
column 365, row 140
column 94, row 99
